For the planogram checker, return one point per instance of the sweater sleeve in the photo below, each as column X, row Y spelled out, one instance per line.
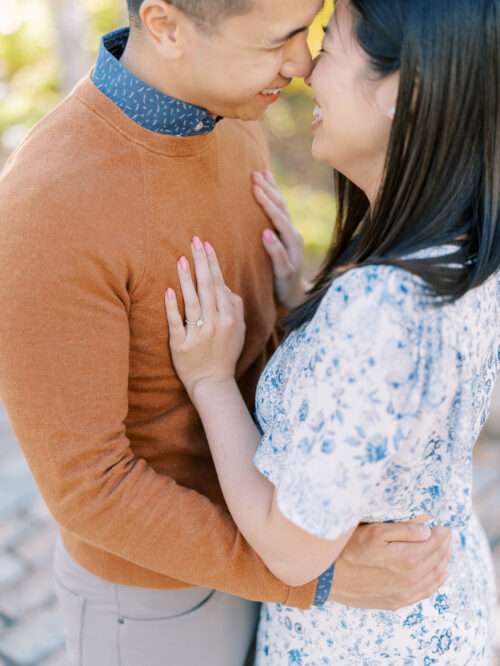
column 64, row 362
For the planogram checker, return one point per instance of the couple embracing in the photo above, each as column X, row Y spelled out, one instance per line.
column 218, row 479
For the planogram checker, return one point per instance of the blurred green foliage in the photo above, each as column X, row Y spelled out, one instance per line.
column 30, row 86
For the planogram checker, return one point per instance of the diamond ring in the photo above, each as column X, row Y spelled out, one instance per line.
column 199, row 323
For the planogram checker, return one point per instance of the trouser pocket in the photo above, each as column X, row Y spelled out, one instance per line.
column 72, row 610
column 215, row 632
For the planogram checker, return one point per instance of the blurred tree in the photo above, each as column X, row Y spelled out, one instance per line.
column 71, row 23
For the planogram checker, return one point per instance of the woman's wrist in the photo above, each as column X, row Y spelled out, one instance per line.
column 207, row 390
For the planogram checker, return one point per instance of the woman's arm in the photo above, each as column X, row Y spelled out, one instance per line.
column 291, row 554
column 205, row 357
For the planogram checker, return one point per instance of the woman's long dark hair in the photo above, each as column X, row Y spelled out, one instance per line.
column 442, row 175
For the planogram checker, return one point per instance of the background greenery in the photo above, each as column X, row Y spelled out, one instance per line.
column 46, row 45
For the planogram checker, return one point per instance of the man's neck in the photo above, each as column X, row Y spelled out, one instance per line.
column 137, row 59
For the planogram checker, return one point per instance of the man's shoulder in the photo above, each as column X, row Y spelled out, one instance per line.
column 71, row 143
column 69, row 160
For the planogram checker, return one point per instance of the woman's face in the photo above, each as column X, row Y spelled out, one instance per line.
column 355, row 107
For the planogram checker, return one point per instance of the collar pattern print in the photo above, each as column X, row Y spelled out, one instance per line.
column 145, row 105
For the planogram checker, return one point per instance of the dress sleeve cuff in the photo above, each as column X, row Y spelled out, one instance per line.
column 324, row 586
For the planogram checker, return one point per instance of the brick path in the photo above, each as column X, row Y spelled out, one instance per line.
column 30, row 629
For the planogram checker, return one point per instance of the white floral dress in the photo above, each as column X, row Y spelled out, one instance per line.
column 370, row 413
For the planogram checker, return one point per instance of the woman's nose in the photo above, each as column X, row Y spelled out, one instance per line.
column 308, row 78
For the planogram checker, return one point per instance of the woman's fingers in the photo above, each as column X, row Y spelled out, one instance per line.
column 280, row 218
column 276, row 214
column 283, row 269
column 221, row 291
column 266, row 182
column 175, row 324
column 204, row 280
column 192, row 305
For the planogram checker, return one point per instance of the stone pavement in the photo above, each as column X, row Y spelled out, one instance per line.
column 30, row 628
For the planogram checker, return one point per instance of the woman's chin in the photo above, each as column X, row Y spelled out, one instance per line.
column 318, row 151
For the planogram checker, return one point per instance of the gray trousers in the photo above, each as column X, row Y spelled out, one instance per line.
column 116, row 625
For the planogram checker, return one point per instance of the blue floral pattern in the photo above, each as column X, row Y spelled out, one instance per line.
column 370, row 413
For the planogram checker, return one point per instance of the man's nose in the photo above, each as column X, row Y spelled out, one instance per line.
column 298, row 62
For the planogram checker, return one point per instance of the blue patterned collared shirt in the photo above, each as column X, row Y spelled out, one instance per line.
column 145, row 105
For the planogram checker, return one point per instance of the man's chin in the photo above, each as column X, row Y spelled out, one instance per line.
column 253, row 110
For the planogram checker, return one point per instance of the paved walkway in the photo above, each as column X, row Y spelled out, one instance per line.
column 30, row 628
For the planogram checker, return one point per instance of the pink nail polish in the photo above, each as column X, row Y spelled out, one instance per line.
column 209, row 249
column 268, row 236
column 171, row 294
column 184, row 264
column 198, row 245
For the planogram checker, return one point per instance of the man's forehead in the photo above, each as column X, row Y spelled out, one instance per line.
column 282, row 16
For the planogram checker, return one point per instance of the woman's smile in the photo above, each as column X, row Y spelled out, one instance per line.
column 317, row 117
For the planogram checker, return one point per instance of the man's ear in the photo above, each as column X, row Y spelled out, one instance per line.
column 161, row 22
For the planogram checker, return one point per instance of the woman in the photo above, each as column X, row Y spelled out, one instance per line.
column 372, row 405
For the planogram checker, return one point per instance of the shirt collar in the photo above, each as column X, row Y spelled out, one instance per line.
column 146, row 106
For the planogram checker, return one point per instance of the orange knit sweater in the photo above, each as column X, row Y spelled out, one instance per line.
column 94, row 213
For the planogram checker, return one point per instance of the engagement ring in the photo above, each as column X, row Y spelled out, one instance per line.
column 199, row 323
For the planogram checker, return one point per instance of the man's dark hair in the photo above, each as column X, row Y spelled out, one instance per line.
column 207, row 14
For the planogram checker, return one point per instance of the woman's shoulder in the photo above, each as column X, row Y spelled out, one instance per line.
column 375, row 296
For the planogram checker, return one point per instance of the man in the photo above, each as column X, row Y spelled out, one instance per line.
column 96, row 207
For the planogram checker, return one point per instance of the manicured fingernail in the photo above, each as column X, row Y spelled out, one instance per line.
column 269, row 174
column 258, row 176
column 208, row 248
column 184, row 264
column 197, row 244
column 269, row 236
column 171, row 294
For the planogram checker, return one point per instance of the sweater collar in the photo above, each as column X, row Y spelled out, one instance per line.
column 146, row 106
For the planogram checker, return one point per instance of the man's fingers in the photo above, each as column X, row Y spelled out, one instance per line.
column 408, row 557
column 430, row 584
column 439, row 556
column 283, row 269
column 413, row 530
column 175, row 324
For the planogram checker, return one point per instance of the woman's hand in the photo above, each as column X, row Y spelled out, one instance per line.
column 205, row 347
column 286, row 248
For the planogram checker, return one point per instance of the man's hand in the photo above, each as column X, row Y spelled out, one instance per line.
column 391, row 565
column 285, row 245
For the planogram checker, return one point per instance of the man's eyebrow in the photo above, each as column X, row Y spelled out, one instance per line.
column 282, row 40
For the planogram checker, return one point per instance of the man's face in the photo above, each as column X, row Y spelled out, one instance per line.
column 231, row 71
